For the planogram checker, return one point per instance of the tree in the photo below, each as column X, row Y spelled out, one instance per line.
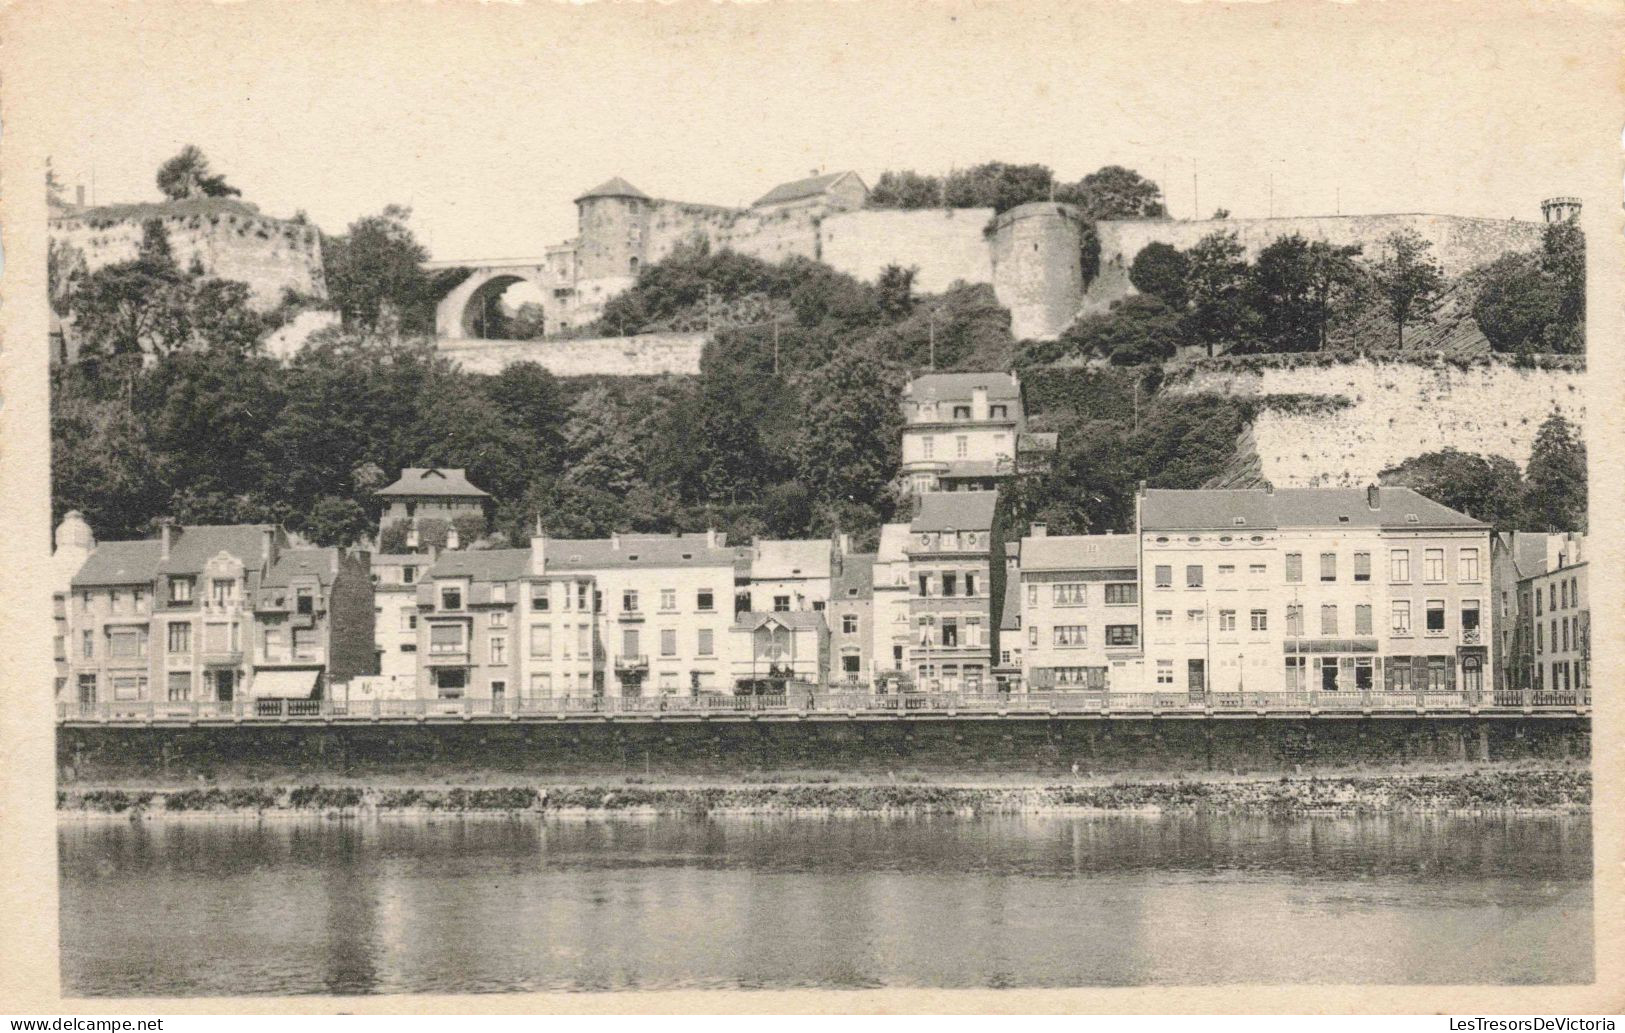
column 1218, row 280
column 223, row 319
column 1137, row 330
column 846, row 447
column 1555, row 496
column 1162, row 270
column 1115, row 192
column 998, row 185
column 64, row 270
column 1408, row 278
column 1334, row 278
column 374, row 272
column 906, row 189
column 1516, row 304
column 1563, row 262
column 335, row 521
column 131, row 308
column 187, row 175
column 1488, row 488
column 896, row 288
column 1281, row 291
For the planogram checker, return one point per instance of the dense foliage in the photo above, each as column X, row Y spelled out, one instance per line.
column 1112, row 192
column 1536, row 303
column 187, row 175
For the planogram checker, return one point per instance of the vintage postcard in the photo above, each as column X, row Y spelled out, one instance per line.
column 810, row 506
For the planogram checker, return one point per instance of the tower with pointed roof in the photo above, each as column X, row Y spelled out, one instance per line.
column 613, row 223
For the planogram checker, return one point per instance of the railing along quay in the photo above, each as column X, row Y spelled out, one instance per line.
column 832, row 705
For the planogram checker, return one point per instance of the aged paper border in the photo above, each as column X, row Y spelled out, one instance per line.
column 1592, row 35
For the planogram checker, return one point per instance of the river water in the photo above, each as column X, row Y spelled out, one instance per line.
column 206, row 907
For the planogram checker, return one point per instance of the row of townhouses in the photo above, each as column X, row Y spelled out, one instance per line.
column 1215, row 591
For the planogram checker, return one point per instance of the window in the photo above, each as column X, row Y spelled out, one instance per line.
column 450, row 682
column 1362, row 566
column 1553, row 605
column 1565, row 627
column 1296, row 674
column 1467, row 565
column 928, row 446
column 1193, row 618
column 1227, row 575
column 87, row 688
column 1563, row 593
column 127, row 643
column 961, row 447
column 499, row 619
column 1399, row 674
column 275, row 645
column 180, row 637
column 1032, row 595
column 1440, row 671
column 304, row 601
column 1165, row 620
column 1032, row 635
column 1328, row 566
column 409, row 620
column 583, row 641
column 499, row 594
column 849, row 624
column 1165, row 672
column 451, row 598
column 130, row 686
column 1122, row 635
column 849, row 663
column 1435, row 616
column 970, row 583
column 629, row 600
column 1400, row 620
column 1069, row 594
column 961, row 412
column 305, row 643
column 1165, row 576
column 408, row 575
column 1259, row 620
column 541, row 640
column 84, row 602
column 180, row 686
column 1433, row 564
column 668, row 642
column 1399, row 565
column 998, row 412
column 705, row 601
column 781, row 603
column 541, row 598
column 950, row 585
column 499, row 649
column 950, row 632
column 445, row 638
column 1257, row 570
column 1193, row 575
column 139, row 596
column 1294, row 567
column 1328, row 619
column 541, row 685
column 180, row 590
column 1294, row 619
column 706, row 645
column 629, row 642
column 115, row 601
column 1540, row 637
column 1328, row 674
column 668, row 599
column 1071, row 635
column 1538, row 597
column 1122, row 594
column 1362, row 619
column 1469, row 617
column 222, row 590
column 1227, row 620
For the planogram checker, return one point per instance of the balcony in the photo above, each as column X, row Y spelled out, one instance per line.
column 632, row 662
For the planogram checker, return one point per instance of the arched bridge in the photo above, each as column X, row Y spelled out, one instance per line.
column 465, row 312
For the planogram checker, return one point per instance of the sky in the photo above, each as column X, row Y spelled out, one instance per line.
column 488, row 119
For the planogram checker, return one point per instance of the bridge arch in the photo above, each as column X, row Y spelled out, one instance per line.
column 467, row 311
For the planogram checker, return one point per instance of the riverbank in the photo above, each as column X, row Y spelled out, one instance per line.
column 1554, row 790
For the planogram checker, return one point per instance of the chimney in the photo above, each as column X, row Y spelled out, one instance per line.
column 1269, row 489
column 166, row 534
column 412, row 537
column 1040, row 530
column 453, row 540
column 846, row 543
column 1373, row 496
column 538, row 551
column 710, row 538
column 615, row 541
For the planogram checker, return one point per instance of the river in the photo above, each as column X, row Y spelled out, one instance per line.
column 206, row 907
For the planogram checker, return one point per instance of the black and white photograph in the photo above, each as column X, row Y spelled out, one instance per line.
column 614, row 500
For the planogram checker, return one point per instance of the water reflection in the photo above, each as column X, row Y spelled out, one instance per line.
column 484, row 904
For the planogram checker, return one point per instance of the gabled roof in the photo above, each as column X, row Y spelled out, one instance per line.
column 614, row 187
column 292, row 563
column 440, row 481
column 1080, row 552
column 481, row 564
column 1528, row 551
column 958, row 387
column 793, row 619
column 955, row 511
column 639, row 551
column 120, row 563
column 192, row 547
column 797, row 189
column 788, row 559
column 893, row 539
column 1165, row 509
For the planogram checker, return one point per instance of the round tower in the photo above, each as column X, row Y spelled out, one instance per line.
column 1038, row 267
column 612, row 222
column 1560, row 209
column 74, row 543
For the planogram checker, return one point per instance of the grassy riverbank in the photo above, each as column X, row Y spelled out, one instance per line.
column 1485, row 790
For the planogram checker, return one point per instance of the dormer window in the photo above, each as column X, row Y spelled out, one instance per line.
column 961, row 412
column 1410, row 518
column 1240, row 521
column 451, row 598
column 304, row 601
column 408, row 575
column 180, row 591
column 998, row 412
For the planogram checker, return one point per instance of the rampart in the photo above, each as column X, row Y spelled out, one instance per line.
column 643, row 355
column 1397, row 409
column 987, row 747
column 946, row 245
column 1459, row 242
column 229, row 239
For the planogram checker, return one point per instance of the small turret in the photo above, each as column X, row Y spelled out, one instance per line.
column 1560, row 209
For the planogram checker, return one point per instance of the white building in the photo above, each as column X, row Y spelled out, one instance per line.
column 961, row 430
column 1080, row 613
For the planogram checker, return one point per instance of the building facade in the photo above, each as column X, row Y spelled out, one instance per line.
column 1332, row 590
column 1557, row 612
column 395, row 579
column 891, row 609
column 960, row 430
column 850, row 616
column 1080, row 613
column 315, row 622
column 430, row 493
column 952, row 543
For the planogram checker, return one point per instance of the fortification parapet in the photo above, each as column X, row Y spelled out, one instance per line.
column 1037, row 257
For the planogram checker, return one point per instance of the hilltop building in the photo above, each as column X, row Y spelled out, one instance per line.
column 430, row 493
column 960, row 430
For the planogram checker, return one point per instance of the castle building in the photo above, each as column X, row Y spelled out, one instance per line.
column 1555, row 639
column 952, row 546
column 1335, row 590
column 1080, row 611
column 960, row 430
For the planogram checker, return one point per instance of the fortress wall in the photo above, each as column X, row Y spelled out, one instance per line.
column 1038, row 268
column 1459, row 243
column 1400, row 410
column 769, row 235
column 945, row 244
column 270, row 255
column 643, row 355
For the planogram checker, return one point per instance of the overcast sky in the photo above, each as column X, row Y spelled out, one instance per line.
column 489, row 120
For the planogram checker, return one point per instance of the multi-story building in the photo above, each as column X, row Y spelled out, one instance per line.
column 954, row 582
column 891, row 615
column 851, row 616
column 432, row 493
column 471, row 605
column 790, row 575
column 1007, row 666
column 395, row 579
column 1558, row 612
column 1325, row 589
column 1514, row 556
column 1080, row 611
column 766, row 650
column 315, row 619
column 71, row 547
column 960, row 430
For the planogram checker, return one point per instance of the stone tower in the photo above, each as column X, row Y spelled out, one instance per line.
column 612, row 221
column 1560, row 209
column 1037, row 252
